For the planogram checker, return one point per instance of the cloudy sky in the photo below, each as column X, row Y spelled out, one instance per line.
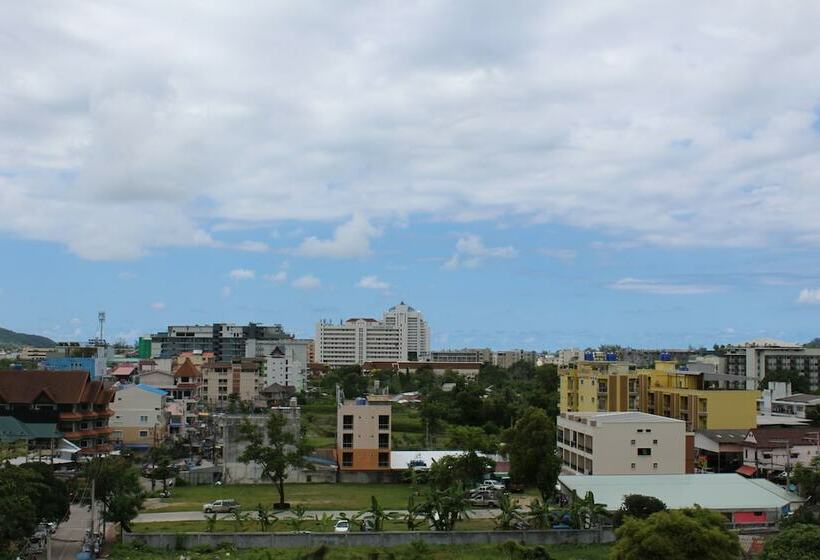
column 530, row 174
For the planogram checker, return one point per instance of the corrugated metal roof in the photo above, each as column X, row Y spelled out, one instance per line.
column 727, row 492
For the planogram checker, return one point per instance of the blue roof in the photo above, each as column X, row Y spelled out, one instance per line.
column 151, row 389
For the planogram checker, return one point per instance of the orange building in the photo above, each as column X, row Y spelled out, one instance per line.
column 363, row 434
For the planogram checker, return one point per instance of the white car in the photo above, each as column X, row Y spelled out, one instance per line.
column 342, row 526
column 492, row 485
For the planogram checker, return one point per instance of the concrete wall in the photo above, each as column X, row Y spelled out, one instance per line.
column 170, row 541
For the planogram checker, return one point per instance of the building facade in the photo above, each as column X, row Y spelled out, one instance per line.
column 666, row 391
column 463, row 355
column 622, row 443
column 752, row 361
column 141, row 417
column 283, row 367
column 226, row 341
column 78, row 405
column 243, row 377
column 771, row 450
column 402, row 335
column 363, row 439
column 506, row 358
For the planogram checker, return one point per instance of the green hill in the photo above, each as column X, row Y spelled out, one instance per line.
column 11, row 339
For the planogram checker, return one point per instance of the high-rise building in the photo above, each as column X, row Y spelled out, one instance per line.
column 749, row 363
column 403, row 335
column 226, row 341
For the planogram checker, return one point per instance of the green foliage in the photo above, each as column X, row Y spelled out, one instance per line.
column 275, row 449
column 298, row 519
column 265, row 518
column 444, row 507
column 239, row 519
column 800, row 383
column 509, row 513
column 376, row 515
column 807, row 477
column 466, row 469
column 414, row 518
column 799, row 542
column 117, row 487
column 540, row 514
column 517, row 551
column 585, row 513
column 636, row 505
column 472, row 438
column 210, row 523
column 531, row 448
column 676, row 535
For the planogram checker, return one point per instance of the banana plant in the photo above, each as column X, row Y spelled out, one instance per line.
column 509, row 513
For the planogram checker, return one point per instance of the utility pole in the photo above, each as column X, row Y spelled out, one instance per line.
column 787, row 464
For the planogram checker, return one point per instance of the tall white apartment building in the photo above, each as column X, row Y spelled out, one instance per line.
column 402, row 335
column 285, row 367
column 413, row 331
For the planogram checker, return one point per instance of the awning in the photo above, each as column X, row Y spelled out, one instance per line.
column 746, row 470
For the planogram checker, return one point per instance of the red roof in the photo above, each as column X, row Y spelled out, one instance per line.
column 187, row 369
column 746, row 470
column 773, row 437
column 61, row 387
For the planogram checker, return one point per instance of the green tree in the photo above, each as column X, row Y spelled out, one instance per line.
column 531, row 448
column 443, row 508
column 376, row 515
column 636, row 505
column 161, row 468
column 116, row 487
column 807, row 477
column 540, row 514
column 813, row 415
column 29, row 493
column 298, row 517
column 414, row 518
column 800, row 383
column 508, row 514
column 676, row 535
column 276, row 449
column 465, row 469
column 471, row 438
column 799, row 542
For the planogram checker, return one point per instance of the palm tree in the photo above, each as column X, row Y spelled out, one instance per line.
column 509, row 514
column 298, row 519
column 265, row 517
column 415, row 514
column 443, row 508
column 540, row 514
column 210, row 523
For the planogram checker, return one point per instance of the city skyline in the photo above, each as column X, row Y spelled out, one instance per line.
column 641, row 175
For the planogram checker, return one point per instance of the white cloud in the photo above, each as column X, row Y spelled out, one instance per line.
column 647, row 123
column 242, row 274
column 663, row 288
column 373, row 283
column 809, row 295
column 252, row 246
column 307, row 282
column 278, row 277
column 559, row 254
column 471, row 252
column 350, row 240
column 158, row 305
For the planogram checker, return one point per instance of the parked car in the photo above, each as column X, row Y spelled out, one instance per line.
column 221, row 506
column 342, row 526
column 492, row 484
column 484, row 498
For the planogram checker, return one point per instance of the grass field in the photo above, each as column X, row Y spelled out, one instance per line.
column 252, row 526
column 404, row 552
column 312, row 496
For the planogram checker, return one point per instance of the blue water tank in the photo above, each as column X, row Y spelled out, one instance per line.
column 361, row 401
column 589, row 356
column 666, row 357
column 611, row 357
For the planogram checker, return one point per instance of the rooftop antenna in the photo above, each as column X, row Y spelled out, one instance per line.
column 101, row 318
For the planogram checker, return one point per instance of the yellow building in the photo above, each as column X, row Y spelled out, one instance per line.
column 665, row 391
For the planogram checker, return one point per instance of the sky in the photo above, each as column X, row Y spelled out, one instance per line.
column 527, row 174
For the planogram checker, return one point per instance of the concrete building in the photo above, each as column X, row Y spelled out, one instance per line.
column 78, row 405
column 71, row 356
column 622, row 443
column 225, row 340
column 363, row 434
column 778, row 402
column 773, row 450
column 463, row 355
column 751, row 362
column 592, row 386
column 243, row 377
column 285, row 367
column 506, row 358
column 719, row 451
column 30, row 353
column 566, row 356
column 140, row 418
column 465, row 369
column 402, row 335
column 743, row 501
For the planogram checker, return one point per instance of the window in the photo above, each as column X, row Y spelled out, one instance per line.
column 143, row 419
column 648, row 431
column 640, row 431
column 347, row 440
column 384, row 441
column 384, row 422
column 654, row 442
column 644, row 451
column 633, row 465
column 384, row 459
column 143, row 433
column 347, row 459
column 654, row 465
column 632, row 442
column 347, row 422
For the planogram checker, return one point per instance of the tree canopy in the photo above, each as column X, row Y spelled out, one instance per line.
column 798, row 542
column 531, row 448
column 676, row 535
column 636, row 505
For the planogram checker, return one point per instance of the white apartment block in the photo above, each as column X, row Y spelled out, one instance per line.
column 284, row 367
column 402, row 335
column 621, row 443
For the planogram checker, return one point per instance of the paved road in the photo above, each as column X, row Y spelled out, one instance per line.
column 199, row 516
column 68, row 539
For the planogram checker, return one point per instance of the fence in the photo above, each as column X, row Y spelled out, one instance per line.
column 184, row 541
